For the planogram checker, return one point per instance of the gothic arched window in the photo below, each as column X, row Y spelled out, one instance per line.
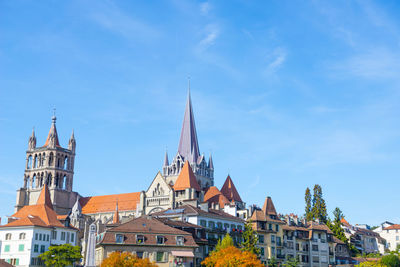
column 35, row 162
column 33, row 181
column 51, row 158
column 66, row 163
column 29, row 166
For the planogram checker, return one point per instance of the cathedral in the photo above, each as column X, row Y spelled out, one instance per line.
column 187, row 180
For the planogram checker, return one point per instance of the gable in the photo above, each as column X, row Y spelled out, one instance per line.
column 158, row 187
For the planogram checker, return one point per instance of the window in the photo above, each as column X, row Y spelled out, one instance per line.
column 119, row 238
column 278, row 241
column 239, row 227
column 261, row 239
column 397, row 238
column 42, row 248
column 54, row 235
column 72, row 237
column 160, row 240
column 277, row 227
column 139, row 254
column 8, row 236
column 226, row 225
column 36, row 236
column 219, row 225
column 22, row 236
column 180, row 240
column 40, row 236
column 273, row 251
column 211, row 224
column 161, row 256
column 315, row 259
column 232, row 226
column 262, row 252
column 21, row 247
column 315, row 248
column 48, row 237
column 139, row 239
column 13, row 261
column 304, row 258
column 203, row 223
column 270, row 226
column 272, row 238
column 62, row 235
column 36, row 248
column 6, row 248
column 297, row 246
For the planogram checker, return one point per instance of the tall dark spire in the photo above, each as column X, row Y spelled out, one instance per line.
column 188, row 144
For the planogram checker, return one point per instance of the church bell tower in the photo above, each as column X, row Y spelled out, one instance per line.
column 50, row 165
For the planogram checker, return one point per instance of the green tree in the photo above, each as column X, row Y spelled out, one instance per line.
column 391, row 260
column 272, row 262
column 309, row 216
column 62, row 255
column 227, row 241
column 291, row 262
column 250, row 239
column 319, row 206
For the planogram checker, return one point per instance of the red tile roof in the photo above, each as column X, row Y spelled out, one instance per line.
column 213, row 195
column 186, row 179
column 269, row 208
column 229, row 190
column 41, row 214
column 392, row 227
column 106, row 203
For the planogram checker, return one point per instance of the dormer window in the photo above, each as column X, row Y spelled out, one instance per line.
column 139, row 239
column 119, row 238
column 160, row 240
column 180, row 240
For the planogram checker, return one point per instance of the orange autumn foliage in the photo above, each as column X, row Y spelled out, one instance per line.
column 232, row 257
column 125, row 259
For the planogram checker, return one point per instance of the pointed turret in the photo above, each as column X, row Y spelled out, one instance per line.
column 210, row 163
column 44, row 197
column 76, row 209
column 269, row 207
column 229, row 190
column 186, row 179
column 32, row 140
column 52, row 138
column 188, row 144
column 116, row 215
column 166, row 162
column 72, row 142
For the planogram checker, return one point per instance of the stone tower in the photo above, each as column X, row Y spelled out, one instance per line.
column 188, row 150
column 52, row 165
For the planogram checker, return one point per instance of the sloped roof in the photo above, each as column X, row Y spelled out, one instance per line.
column 106, row 203
column 41, row 214
column 53, row 132
column 213, row 195
column 186, row 179
column 44, row 197
column 344, row 222
column 229, row 190
column 392, row 227
column 269, row 207
column 259, row 215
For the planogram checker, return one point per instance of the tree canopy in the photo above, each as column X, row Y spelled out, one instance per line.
column 125, row 259
column 227, row 241
column 232, row 257
column 62, row 255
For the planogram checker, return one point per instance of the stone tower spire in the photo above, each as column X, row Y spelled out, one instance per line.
column 52, row 166
column 166, row 162
column 52, row 138
column 210, row 163
column 116, row 214
column 72, row 142
column 32, row 140
column 188, row 145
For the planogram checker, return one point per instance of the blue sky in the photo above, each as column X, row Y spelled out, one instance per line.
column 286, row 94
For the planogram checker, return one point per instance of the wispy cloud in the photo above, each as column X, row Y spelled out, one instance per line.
column 205, row 8
column 111, row 17
column 372, row 64
column 275, row 60
column 211, row 33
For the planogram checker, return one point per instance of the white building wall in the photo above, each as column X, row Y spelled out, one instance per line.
column 392, row 238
